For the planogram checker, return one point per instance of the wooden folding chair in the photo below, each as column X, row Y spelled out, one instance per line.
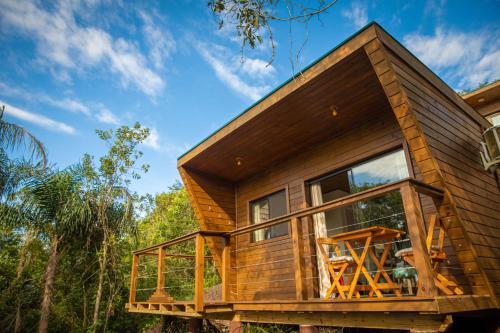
column 337, row 266
column 437, row 256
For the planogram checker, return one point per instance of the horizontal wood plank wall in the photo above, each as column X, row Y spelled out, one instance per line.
column 444, row 142
column 376, row 134
column 452, row 269
column 214, row 205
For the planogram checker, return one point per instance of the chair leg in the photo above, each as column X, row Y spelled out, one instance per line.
column 440, row 280
column 444, row 284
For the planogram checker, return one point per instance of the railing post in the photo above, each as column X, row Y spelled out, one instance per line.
column 298, row 259
column 226, row 269
column 416, row 230
column 199, row 273
column 133, row 278
column 160, row 281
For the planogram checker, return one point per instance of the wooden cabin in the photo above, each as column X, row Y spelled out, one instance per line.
column 353, row 195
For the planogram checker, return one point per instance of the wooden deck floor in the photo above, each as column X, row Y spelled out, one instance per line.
column 439, row 305
column 432, row 314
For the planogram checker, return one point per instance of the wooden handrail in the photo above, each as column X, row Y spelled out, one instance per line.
column 344, row 201
column 181, row 239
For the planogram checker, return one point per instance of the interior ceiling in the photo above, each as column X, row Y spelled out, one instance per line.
column 302, row 119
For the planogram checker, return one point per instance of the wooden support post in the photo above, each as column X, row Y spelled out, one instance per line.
column 298, row 255
column 161, row 269
column 195, row 325
column 235, row 326
column 308, row 329
column 199, row 273
column 226, row 269
column 133, row 278
column 416, row 230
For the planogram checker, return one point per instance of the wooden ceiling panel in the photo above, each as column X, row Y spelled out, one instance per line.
column 300, row 120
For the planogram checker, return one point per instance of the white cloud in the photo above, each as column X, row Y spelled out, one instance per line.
column 38, row 119
column 357, row 14
column 257, row 67
column 66, row 44
column 92, row 109
column 68, row 104
column 469, row 58
column 231, row 71
column 161, row 42
column 153, row 140
column 106, row 116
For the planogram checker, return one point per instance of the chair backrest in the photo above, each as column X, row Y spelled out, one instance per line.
column 329, row 242
column 435, row 222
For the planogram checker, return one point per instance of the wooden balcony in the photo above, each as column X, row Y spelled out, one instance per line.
column 428, row 296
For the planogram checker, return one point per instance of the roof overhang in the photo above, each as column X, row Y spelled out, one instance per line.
column 483, row 97
column 299, row 112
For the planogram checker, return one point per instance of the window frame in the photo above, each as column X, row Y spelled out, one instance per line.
column 403, row 146
column 260, row 197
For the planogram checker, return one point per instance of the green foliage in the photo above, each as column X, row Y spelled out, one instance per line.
column 171, row 217
column 13, row 136
column 87, row 208
column 252, row 18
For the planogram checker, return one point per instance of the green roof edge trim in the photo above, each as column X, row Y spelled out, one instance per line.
column 281, row 85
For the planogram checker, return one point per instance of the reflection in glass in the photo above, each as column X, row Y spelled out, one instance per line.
column 386, row 210
column 269, row 207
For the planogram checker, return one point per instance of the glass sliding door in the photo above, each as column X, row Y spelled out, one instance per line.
column 386, row 210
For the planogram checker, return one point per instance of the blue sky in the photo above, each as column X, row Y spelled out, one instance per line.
column 69, row 67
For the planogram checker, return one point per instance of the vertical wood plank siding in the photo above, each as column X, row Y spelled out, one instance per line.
column 445, row 144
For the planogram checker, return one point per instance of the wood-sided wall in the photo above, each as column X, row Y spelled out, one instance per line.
column 445, row 142
column 275, row 279
column 213, row 201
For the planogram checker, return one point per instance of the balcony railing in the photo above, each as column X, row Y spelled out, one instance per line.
column 221, row 242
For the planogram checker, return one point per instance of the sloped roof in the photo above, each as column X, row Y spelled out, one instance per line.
column 342, row 51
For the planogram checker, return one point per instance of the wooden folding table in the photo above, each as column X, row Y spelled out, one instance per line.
column 367, row 237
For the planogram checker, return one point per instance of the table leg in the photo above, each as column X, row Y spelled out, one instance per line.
column 360, row 263
column 372, row 284
column 380, row 267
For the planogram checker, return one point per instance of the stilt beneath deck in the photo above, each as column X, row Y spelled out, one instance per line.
column 235, row 326
column 195, row 325
column 308, row 329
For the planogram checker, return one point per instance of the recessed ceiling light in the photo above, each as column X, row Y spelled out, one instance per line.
column 333, row 110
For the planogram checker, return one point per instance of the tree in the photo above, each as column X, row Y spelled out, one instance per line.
column 13, row 136
column 52, row 204
column 107, row 190
column 252, row 18
column 172, row 217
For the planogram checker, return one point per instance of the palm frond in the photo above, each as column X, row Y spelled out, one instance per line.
column 13, row 136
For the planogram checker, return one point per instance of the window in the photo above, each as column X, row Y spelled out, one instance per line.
column 266, row 208
column 381, row 170
column 494, row 119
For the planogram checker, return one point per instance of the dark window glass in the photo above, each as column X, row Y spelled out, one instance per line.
column 385, row 210
column 269, row 207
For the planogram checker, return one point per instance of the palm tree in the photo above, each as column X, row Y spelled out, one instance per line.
column 54, row 206
column 13, row 136
column 14, row 173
